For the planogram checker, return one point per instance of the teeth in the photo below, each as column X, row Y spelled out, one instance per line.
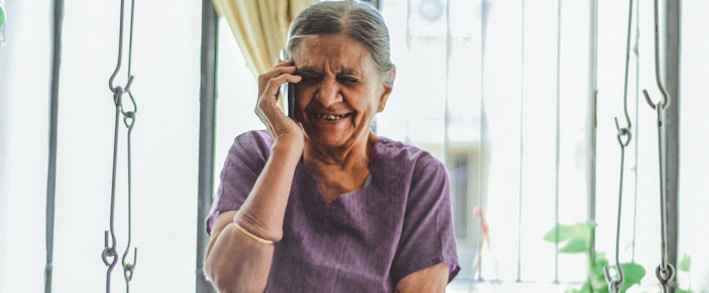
column 330, row 117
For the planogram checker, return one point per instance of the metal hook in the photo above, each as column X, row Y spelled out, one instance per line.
column 109, row 251
column 663, row 103
column 118, row 92
column 622, row 132
column 120, row 49
column 117, row 95
column 627, row 66
column 129, row 116
column 665, row 275
column 128, row 119
column 129, row 267
column 614, row 283
column 665, row 97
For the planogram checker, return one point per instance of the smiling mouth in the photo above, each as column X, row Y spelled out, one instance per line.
column 330, row 117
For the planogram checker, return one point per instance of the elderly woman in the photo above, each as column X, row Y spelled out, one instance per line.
column 319, row 203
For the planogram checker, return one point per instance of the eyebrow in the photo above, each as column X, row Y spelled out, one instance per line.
column 314, row 71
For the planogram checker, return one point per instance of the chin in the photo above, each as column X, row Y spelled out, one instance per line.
column 327, row 142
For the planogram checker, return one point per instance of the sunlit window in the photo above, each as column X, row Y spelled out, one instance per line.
column 501, row 91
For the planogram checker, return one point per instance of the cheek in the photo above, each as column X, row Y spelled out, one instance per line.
column 363, row 99
column 369, row 103
column 302, row 96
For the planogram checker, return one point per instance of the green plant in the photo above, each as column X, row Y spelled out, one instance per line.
column 684, row 266
column 577, row 238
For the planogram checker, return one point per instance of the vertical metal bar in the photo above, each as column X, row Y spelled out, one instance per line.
column 637, row 129
column 484, row 8
column 558, row 137
column 52, row 162
column 446, row 112
column 208, row 84
column 592, row 125
column 521, row 146
column 671, row 81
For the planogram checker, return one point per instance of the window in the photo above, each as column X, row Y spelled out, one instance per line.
column 522, row 153
column 501, row 151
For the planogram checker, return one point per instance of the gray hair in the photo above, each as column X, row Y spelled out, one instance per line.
column 358, row 20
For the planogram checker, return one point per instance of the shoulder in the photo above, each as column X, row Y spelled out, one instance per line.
column 407, row 169
column 254, row 143
column 249, row 150
column 253, row 139
column 391, row 154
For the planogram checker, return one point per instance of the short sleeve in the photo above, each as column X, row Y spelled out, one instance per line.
column 427, row 236
column 245, row 160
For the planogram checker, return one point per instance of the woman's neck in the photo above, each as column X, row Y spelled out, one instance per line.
column 345, row 157
column 339, row 170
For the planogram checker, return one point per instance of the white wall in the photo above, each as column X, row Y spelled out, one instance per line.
column 24, row 92
column 694, row 159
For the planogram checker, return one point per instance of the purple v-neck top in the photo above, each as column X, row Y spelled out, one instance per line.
column 363, row 241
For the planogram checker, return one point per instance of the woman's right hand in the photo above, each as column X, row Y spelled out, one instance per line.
column 282, row 128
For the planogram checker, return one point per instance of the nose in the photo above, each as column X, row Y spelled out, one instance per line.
column 328, row 93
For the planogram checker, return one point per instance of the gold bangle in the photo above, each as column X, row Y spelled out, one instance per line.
column 251, row 235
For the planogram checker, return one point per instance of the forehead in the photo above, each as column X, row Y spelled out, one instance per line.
column 332, row 53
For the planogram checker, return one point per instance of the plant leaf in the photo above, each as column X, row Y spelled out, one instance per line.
column 685, row 263
column 585, row 289
column 564, row 232
column 632, row 274
column 577, row 237
column 575, row 245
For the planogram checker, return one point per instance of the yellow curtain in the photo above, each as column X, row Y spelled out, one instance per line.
column 260, row 27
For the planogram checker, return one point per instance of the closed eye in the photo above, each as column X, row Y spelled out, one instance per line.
column 309, row 75
column 307, row 80
column 347, row 80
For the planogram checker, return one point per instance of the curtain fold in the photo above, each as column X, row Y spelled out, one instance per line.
column 260, row 27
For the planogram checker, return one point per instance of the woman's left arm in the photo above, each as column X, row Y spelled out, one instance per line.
column 430, row 279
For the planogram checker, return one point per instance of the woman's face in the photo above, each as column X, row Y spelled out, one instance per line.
column 340, row 92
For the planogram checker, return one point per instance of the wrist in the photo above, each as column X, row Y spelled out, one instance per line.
column 288, row 146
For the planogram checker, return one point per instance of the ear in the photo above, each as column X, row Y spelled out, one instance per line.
column 388, row 83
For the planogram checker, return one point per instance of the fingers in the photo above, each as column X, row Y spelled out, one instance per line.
column 286, row 67
column 270, row 82
column 267, row 108
column 273, row 84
